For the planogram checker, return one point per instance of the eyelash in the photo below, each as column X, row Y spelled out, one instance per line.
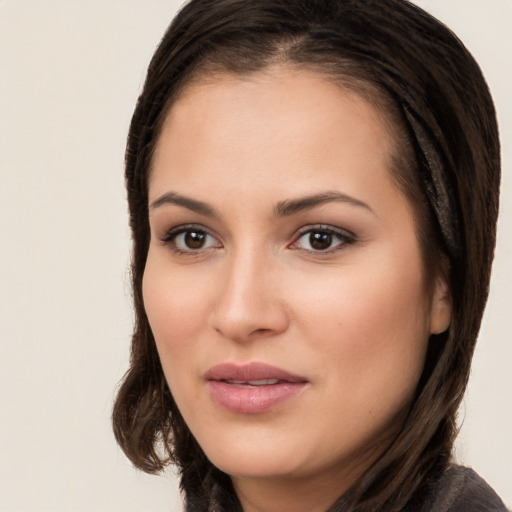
column 343, row 237
column 170, row 239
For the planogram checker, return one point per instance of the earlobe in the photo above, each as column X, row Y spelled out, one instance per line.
column 441, row 312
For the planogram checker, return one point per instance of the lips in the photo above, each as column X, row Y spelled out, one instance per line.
column 252, row 388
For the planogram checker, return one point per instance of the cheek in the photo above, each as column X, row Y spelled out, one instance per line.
column 369, row 323
column 372, row 300
column 176, row 304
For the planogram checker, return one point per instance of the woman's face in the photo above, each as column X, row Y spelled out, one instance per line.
column 284, row 282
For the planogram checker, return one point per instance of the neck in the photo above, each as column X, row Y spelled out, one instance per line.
column 301, row 494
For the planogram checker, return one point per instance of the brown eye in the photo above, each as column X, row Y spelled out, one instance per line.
column 194, row 239
column 190, row 240
column 323, row 239
column 320, row 241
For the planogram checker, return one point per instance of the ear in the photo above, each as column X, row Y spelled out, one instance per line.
column 441, row 311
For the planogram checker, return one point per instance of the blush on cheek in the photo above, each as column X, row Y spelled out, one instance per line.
column 173, row 305
column 373, row 325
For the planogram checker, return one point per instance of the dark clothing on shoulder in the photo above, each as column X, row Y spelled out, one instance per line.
column 459, row 489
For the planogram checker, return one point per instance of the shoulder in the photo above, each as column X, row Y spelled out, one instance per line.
column 460, row 489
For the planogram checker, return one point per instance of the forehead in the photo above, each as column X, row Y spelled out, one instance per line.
column 278, row 82
column 266, row 118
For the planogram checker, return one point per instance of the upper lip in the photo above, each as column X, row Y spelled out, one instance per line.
column 250, row 372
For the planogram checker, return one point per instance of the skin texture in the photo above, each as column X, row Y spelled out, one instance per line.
column 353, row 320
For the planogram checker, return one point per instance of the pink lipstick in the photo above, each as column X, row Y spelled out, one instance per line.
column 253, row 387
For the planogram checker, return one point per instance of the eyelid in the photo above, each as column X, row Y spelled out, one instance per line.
column 345, row 237
column 176, row 230
column 171, row 234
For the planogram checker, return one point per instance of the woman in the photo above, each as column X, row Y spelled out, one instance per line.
column 313, row 192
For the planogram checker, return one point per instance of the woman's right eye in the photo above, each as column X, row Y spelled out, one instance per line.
column 190, row 240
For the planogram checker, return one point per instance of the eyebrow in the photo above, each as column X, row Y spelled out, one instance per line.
column 282, row 209
column 292, row 206
column 187, row 202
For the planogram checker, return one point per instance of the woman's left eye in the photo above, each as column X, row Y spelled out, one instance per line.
column 322, row 239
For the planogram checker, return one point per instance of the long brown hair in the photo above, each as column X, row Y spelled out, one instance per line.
column 447, row 163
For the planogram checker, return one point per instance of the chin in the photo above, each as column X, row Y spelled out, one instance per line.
column 256, row 469
column 258, row 460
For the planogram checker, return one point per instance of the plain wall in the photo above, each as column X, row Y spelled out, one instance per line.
column 70, row 72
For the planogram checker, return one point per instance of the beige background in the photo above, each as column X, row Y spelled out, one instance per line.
column 70, row 72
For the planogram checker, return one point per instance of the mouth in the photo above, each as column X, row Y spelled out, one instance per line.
column 252, row 383
column 252, row 388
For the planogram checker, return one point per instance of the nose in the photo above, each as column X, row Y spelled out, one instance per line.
column 249, row 302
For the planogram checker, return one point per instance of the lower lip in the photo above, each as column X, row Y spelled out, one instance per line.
column 250, row 400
